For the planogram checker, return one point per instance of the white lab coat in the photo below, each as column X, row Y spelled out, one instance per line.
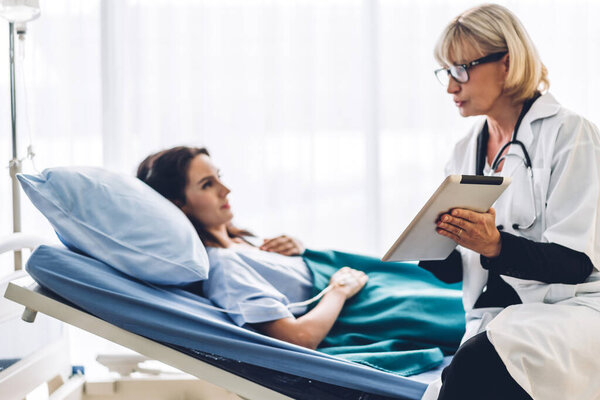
column 550, row 344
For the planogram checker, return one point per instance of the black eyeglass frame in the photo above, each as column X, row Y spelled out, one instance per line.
column 452, row 70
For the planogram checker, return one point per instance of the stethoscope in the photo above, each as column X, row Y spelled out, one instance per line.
column 482, row 150
column 527, row 161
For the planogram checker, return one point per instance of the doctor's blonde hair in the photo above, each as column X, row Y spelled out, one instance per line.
column 491, row 28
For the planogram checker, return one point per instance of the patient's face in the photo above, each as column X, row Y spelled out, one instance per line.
column 206, row 196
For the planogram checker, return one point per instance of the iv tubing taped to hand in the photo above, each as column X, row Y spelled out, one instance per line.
column 291, row 305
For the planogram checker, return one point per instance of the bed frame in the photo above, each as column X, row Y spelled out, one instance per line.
column 49, row 364
column 35, row 299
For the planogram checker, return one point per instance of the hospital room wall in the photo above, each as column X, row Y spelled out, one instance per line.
column 324, row 116
column 58, row 97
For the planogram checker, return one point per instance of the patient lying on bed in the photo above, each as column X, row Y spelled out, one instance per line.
column 390, row 311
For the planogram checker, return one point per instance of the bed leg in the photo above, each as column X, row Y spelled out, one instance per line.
column 29, row 315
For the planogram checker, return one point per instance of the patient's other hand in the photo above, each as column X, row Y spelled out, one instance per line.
column 349, row 281
column 286, row 245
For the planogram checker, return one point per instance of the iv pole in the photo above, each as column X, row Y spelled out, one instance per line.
column 15, row 163
column 20, row 12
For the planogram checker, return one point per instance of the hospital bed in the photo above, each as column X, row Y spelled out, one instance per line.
column 35, row 358
column 31, row 355
column 113, row 281
column 202, row 343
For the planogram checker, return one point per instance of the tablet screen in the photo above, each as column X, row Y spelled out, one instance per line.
column 420, row 241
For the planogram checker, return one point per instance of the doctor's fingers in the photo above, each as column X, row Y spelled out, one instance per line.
column 455, row 221
column 455, row 225
column 474, row 216
column 463, row 214
column 452, row 230
column 483, row 224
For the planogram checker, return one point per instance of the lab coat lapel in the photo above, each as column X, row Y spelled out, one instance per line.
column 544, row 107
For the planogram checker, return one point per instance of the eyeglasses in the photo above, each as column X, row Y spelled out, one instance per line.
column 460, row 72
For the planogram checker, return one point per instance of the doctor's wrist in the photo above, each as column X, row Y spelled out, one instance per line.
column 494, row 249
column 504, row 258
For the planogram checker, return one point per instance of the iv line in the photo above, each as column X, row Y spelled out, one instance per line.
column 291, row 305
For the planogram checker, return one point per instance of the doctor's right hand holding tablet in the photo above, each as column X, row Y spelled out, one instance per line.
column 472, row 230
column 530, row 265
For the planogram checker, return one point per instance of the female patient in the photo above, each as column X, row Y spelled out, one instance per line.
column 395, row 318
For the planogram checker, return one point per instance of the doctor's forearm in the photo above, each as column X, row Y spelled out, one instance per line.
column 449, row 270
column 545, row 262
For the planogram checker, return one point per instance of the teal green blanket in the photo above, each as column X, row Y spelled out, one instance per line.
column 403, row 321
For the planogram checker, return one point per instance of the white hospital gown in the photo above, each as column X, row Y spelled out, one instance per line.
column 256, row 285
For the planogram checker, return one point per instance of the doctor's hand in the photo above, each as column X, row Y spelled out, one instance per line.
column 348, row 281
column 472, row 230
column 286, row 245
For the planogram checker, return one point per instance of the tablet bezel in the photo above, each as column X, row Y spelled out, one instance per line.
column 420, row 241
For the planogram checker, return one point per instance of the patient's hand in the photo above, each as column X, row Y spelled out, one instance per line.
column 349, row 281
column 286, row 245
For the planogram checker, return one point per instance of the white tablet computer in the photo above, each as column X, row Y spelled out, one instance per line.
column 420, row 241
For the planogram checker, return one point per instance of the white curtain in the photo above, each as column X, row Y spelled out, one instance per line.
column 58, row 96
column 323, row 115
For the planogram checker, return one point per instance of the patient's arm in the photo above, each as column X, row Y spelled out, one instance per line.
column 310, row 329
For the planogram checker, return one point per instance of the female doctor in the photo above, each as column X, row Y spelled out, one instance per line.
column 530, row 266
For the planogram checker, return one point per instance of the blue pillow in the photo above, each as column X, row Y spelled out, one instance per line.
column 120, row 221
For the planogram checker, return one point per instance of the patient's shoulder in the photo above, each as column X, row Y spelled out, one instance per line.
column 229, row 270
column 220, row 258
column 220, row 253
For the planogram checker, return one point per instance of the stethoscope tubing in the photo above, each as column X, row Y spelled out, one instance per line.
column 527, row 161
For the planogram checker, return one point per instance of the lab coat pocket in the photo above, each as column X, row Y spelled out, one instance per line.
column 521, row 201
column 528, row 202
column 529, row 291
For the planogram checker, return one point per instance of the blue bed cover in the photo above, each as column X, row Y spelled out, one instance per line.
column 174, row 317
